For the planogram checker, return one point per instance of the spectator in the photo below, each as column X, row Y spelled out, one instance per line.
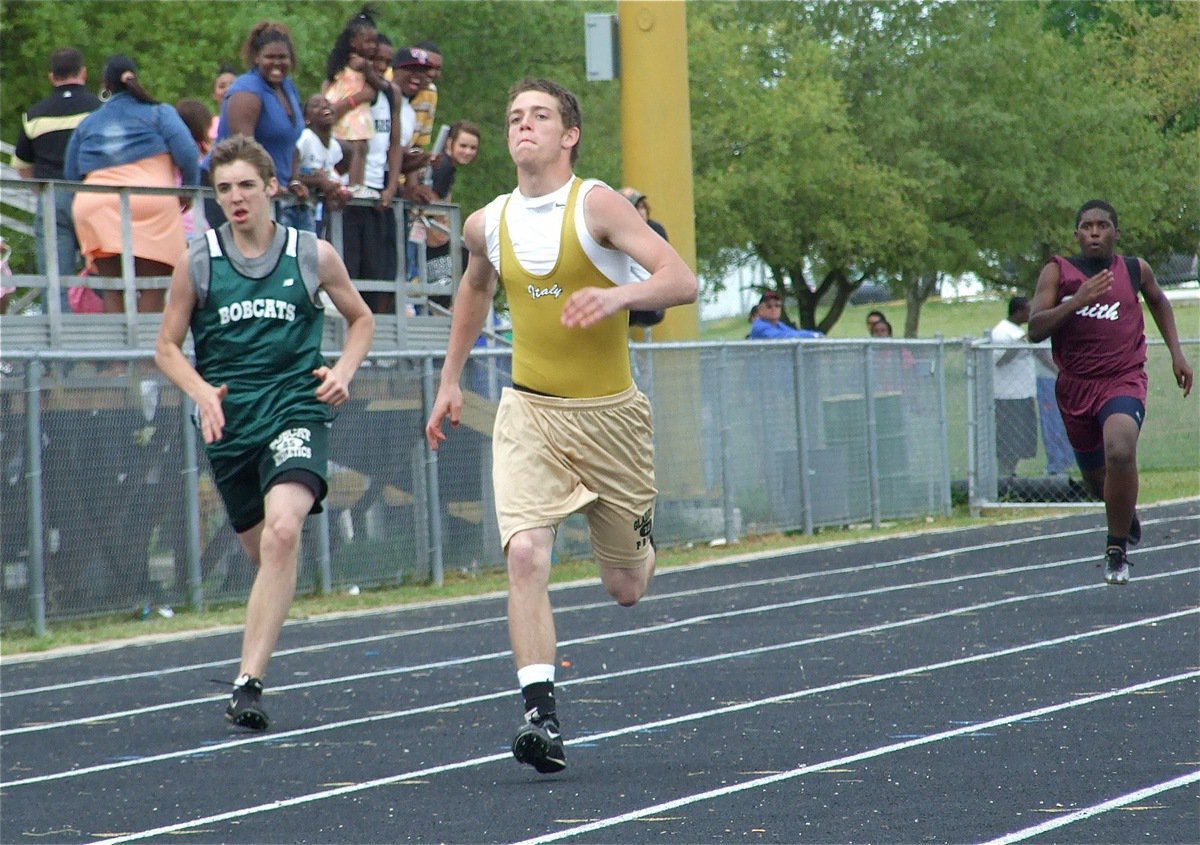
column 751, row 317
column 263, row 104
column 891, row 368
column 424, row 102
column 131, row 140
column 320, row 154
column 638, row 200
column 1015, row 388
column 411, row 73
column 768, row 324
column 411, row 66
column 1088, row 306
column 225, row 77
column 643, row 206
column 350, row 85
column 1059, row 456
column 462, row 145
column 42, row 148
column 574, row 433
column 264, row 394
column 196, row 118
column 369, row 244
column 874, row 317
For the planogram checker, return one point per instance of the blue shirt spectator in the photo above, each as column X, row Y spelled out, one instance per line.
column 275, row 129
column 768, row 326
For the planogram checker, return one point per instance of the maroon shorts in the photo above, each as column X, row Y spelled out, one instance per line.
column 1080, row 401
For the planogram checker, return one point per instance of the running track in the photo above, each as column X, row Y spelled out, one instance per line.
column 978, row 685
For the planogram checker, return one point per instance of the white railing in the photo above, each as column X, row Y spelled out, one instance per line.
column 50, row 328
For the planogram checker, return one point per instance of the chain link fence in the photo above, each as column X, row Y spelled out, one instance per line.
column 108, row 504
column 1017, row 451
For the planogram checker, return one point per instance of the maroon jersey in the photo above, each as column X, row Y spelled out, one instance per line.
column 1104, row 340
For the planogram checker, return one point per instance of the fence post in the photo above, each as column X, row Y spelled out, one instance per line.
column 727, row 509
column 191, row 497
column 944, row 425
column 433, row 496
column 33, row 493
column 400, row 279
column 53, row 298
column 872, row 435
column 800, row 389
column 324, row 561
column 972, row 429
column 127, row 271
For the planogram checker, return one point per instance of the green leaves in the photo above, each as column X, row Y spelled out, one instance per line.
column 838, row 141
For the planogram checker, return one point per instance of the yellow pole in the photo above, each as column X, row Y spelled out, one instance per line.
column 656, row 153
column 656, row 132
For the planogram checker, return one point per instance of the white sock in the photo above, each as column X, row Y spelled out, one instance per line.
column 535, row 673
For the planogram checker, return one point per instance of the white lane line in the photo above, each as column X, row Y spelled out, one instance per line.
column 757, row 783
column 380, row 717
column 1096, row 809
column 653, row 597
column 462, row 661
column 658, row 808
column 595, row 638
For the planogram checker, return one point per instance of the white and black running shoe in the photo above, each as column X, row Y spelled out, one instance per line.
column 1116, row 567
column 538, row 743
column 245, row 705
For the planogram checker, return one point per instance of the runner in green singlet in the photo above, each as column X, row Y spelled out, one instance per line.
column 248, row 291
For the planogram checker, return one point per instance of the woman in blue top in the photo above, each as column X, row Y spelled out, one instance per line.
column 263, row 104
column 136, row 141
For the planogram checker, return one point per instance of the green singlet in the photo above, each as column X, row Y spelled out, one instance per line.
column 261, row 336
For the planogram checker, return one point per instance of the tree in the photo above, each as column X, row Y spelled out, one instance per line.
column 973, row 129
column 779, row 172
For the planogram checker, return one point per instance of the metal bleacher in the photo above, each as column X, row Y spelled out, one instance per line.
column 35, row 321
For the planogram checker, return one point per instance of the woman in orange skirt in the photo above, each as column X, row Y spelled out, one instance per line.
column 132, row 140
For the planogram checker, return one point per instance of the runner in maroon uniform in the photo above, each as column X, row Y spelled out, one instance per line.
column 1088, row 306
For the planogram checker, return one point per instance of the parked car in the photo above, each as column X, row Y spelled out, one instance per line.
column 868, row 292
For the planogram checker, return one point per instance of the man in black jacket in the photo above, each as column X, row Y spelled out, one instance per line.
column 42, row 146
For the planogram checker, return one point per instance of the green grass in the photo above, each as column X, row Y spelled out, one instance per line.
column 457, row 585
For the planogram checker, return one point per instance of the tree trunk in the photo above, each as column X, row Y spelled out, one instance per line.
column 917, row 289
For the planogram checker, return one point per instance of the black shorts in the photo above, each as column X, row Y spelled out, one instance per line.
column 369, row 242
column 298, row 453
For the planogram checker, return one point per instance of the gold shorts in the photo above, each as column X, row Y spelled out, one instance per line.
column 553, row 457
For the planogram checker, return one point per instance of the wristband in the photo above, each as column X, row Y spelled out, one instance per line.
column 294, row 183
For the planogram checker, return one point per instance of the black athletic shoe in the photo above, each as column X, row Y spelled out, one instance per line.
column 538, row 743
column 245, row 705
column 1116, row 567
column 1135, row 531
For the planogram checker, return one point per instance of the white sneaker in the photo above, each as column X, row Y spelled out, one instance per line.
column 1116, row 567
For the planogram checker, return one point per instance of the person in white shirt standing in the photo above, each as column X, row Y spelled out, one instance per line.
column 1015, row 391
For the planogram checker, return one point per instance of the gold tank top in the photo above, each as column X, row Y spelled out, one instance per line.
column 547, row 356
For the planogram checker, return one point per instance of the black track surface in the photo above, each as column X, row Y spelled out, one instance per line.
column 960, row 686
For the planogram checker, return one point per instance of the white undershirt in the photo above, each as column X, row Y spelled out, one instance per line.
column 535, row 227
column 408, row 122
